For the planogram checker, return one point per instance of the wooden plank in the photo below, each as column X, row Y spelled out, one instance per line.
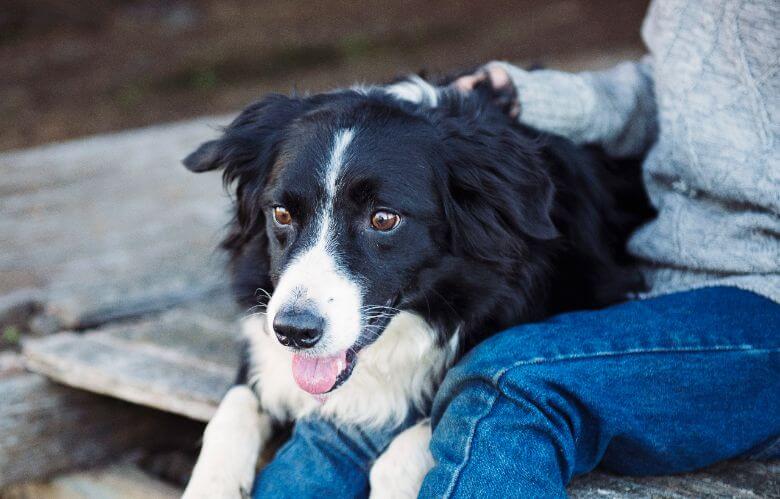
column 46, row 428
column 120, row 481
column 181, row 362
column 748, row 479
column 762, row 478
column 111, row 226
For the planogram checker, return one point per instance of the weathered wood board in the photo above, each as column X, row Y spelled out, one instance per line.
column 748, row 479
column 121, row 481
column 47, row 428
column 110, row 226
column 182, row 361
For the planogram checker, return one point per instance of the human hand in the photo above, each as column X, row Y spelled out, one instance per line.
column 496, row 76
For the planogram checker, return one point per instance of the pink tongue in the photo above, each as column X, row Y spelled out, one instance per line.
column 318, row 374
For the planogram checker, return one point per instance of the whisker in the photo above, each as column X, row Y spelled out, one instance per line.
column 258, row 306
column 378, row 316
column 379, row 307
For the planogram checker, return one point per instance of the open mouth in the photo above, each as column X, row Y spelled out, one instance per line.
column 321, row 375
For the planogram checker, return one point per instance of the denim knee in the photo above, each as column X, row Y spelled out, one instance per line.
column 484, row 369
column 480, row 398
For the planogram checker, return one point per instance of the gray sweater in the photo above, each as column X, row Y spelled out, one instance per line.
column 704, row 106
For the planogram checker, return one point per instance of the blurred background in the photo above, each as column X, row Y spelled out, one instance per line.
column 117, row 332
column 78, row 67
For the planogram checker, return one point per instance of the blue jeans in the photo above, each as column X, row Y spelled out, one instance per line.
column 325, row 460
column 656, row 386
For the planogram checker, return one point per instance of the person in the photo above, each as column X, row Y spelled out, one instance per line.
column 687, row 375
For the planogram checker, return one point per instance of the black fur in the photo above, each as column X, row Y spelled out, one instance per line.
column 504, row 224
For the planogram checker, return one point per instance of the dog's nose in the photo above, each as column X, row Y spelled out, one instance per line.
column 298, row 328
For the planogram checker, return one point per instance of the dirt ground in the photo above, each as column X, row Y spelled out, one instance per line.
column 87, row 66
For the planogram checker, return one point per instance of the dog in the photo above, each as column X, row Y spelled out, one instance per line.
column 385, row 231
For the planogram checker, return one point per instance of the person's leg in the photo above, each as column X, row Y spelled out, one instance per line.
column 657, row 386
column 323, row 459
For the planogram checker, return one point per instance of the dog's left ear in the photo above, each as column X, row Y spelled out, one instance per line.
column 250, row 140
column 497, row 192
column 204, row 158
column 246, row 152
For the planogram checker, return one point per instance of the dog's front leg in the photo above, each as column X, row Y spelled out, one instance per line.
column 231, row 444
column 398, row 473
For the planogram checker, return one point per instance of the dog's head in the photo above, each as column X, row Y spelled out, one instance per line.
column 352, row 206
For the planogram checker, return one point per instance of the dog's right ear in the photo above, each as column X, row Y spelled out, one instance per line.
column 253, row 137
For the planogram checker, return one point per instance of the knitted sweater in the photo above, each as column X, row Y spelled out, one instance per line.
column 704, row 106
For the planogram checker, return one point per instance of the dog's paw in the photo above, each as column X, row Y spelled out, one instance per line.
column 398, row 473
column 215, row 486
column 231, row 443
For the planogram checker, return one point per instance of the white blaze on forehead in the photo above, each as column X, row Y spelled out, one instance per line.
column 315, row 274
column 334, row 166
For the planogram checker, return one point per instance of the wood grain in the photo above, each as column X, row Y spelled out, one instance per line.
column 121, row 481
column 181, row 362
column 111, row 226
column 47, row 428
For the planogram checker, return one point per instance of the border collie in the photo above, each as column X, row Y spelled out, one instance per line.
column 389, row 229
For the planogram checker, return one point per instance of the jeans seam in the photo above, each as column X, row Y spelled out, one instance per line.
column 628, row 352
column 469, row 445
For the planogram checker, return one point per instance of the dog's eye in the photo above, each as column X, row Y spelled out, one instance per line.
column 282, row 216
column 384, row 221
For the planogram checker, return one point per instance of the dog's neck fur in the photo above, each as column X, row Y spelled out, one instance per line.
column 393, row 376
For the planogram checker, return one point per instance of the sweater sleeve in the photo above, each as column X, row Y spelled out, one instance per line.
column 614, row 108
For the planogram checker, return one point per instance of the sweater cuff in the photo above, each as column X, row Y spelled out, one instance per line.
column 553, row 101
